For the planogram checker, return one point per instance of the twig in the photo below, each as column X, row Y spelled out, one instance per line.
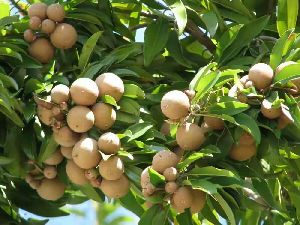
column 23, row 12
column 139, row 26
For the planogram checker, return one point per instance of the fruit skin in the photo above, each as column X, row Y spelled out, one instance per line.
column 110, row 84
column 34, row 184
column 96, row 183
column 170, row 174
column 42, row 50
column 35, row 23
column 38, row 9
column 105, row 116
column 244, row 79
column 84, row 91
column 190, row 136
column 148, row 190
column 50, row 172
column 269, row 112
column 109, row 143
column 171, row 187
column 64, row 36
column 111, row 168
column 115, row 188
column 147, row 186
column 66, row 137
column 242, row 152
column 91, row 174
column 246, row 139
column 175, row 105
column 48, row 26
column 199, row 200
column 75, row 173
column 56, row 12
column 55, row 159
column 165, row 128
column 51, row 189
column 80, row 119
column 29, row 36
column 66, row 152
column 45, row 115
column 60, row 93
column 163, row 160
column 85, row 153
column 183, row 197
column 214, row 123
column 261, row 75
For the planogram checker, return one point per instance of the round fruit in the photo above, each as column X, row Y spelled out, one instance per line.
column 28, row 178
column 51, row 189
column 205, row 127
column 165, row 128
column 109, row 143
column 66, row 137
column 175, row 105
column 111, row 168
column 242, row 152
column 38, row 9
column 91, row 174
column 148, row 190
column 163, row 160
column 42, row 50
column 64, row 36
column 54, row 159
column 170, row 174
column 96, row 183
column 261, row 75
column 177, row 208
column 190, row 93
column 115, row 188
column 84, row 91
column 66, row 152
column 85, row 153
column 35, row 23
column 75, row 173
column 110, row 84
column 179, row 152
column 199, row 200
column 246, row 139
column 50, row 172
column 80, row 119
column 56, row 12
column 284, row 121
column 35, row 184
column 190, row 136
column 268, row 111
column 60, row 93
column 29, row 36
column 45, row 115
column 105, row 116
column 183, row 197
column 214, row 123
column 145, row 178
column 48, row 26
column 244, row 79
column 282, row 65
column 171, row 187
column 249, row 84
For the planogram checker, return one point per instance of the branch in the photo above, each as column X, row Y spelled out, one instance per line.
column 16, row 5
column 139, row 26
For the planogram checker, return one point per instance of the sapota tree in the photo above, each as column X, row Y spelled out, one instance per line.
column 198, row 121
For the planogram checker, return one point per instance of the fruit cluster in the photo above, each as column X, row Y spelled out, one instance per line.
column 72, row 112
column 47, row 22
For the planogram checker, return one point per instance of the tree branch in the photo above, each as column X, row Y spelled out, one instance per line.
column 23, row 12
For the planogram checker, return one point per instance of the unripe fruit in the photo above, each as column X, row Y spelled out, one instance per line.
column 75, row 173
column 105, row 116
column 199, row 200
column 246, row 139
column 54, row 159
column 170, row 174
column 45, row 115
column 165, row 128
column 111, row 168
column 51, row 189
column 37, row 9
column 42, row 50
column 268, row 111
column 85, row 153
column 66, row 152
column 56, row 12
column 163, row 160
column 261, row 75
column 64, row 36
column 242, row 152
column 110, row 84
column 35, row 23
column 183, row 197
column 115, row 188
column 84, row 91
column 175, row 105
column 29, row 36
column 80, row 119
column 190, row 136
column 48, row 26
column 91, row 174
column 66, row 137
column 171, row 187
column 109, row 143
column 214, row 123
column 60, row 93
column 50, row 172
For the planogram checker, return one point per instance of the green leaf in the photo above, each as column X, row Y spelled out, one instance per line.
column 88, row 49
column 287, row 12
column 179, row 11
column 162, row 216
column 8, row 20
column 49, row 146
column 185, row 218
column 287, row 73
column 5, row 160
column 261, row 186
column 8, row 81
column 192, row 158
column 4, row 9
column 129, row 106
column 90, row 192
column 211, row 22
column 137, row 130
column 229, row 108
column 126, row 117
column 133, row 91
column 130, row 202
column 155, row 177
column 201, row 73
column 210, row 171
column 203, row 185
column 155, row 39
column 8, row 52
column 236, row 6
column 109, row 100
column 148, row 216
column 227, row 209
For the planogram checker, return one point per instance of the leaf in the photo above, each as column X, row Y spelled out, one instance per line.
column 156, row 178
column 48, row 147
column 287, row 73
column 185, row 218
column 88, row 49
column 90, row 192
column 155, row 39
column 236, row 6
column 8, row 20
column 8, row 81
column 211, row 22
column 202, row 72
column 229, row 108
column 204, row 185
column 179, row 11
column 5, row 160
column 4, row 9
column 210, row 171
column 192, row 158
column 126, row 117
column 287, row 12
column 8, row 52
column 109, row 100
column 148, row 216
column 162, row 216
column 133, row 91
column 262, row 188
column 129, row 106
column 137, row 130
column 130, row 202
column 225, row 207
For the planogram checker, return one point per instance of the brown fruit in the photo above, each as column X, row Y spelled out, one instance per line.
column 66, row 152
column 115, row 188
column 34, row 184
column 50, row 172
column 45, row 115
column 170, row 174
column 165, row 128
column 163, row 160
column 96, row 183
column 284, row 121
column 109, row 143
column 246, row 139
column 242, row 152
column 190, row 136
column 145, row 178
column 38, row 9
column 110, row 84
column 105, row 116
column 175, row 105
column 42, row 50
column 199, row 200
column 183, row 197
column 35, row 23
column 60, row 93
column 179, row 152
column 84, row 91
column 75, row 173
column 268, row 111
column 111, row 168
column 85, row 153
column 148, row 190
column 261, row 75
column 64, row 36
column 171, row 187
column 56, row 12
column 190, row 93
column 80, row 119
column 28, row 178
column 48, row 26
column 244, row 79
column 205, row 127
column 29, row 36
column 91, row 174
column 249, row 84
column 51, row 189
column 54, row 159
column 214, row 123
column 66, row 137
